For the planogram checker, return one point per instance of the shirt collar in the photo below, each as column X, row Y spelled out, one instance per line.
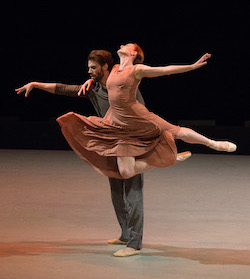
column 98, row 86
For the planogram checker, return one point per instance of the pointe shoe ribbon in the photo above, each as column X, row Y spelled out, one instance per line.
column 127, row 252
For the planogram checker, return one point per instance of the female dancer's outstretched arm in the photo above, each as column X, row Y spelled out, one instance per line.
column 142, row 71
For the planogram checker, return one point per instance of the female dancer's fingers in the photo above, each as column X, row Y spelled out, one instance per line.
column 202, row 64
column 80, row 91
column 206, row 56
column 88, row 87
column 85, row 86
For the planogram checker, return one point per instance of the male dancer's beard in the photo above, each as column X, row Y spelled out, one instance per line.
column 99, row 76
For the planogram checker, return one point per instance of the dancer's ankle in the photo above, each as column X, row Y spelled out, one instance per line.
column 211, row 143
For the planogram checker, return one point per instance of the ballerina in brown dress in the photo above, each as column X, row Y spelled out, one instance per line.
column 130, row 139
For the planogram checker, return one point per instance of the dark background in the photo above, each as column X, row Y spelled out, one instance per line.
column 49, row 41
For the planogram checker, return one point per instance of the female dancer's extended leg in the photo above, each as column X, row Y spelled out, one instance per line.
column 129, row 167
column 191, row 136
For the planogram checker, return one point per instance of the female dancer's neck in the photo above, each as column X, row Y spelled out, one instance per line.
column 125, row 61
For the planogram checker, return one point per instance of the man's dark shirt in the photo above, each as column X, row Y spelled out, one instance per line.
column 97, row 95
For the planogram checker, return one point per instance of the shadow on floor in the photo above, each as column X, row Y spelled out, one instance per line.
column 202, row 255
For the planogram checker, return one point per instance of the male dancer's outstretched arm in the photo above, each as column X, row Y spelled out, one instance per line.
column 54, row 88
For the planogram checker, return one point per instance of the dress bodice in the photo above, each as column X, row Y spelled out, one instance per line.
column 122, row 86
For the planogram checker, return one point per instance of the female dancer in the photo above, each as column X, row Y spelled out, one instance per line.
column 130, row 139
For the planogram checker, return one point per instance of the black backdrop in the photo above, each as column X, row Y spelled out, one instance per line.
column 50, row 41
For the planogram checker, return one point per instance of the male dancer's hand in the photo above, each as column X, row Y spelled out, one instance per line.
column 85, row 87
column 27, row 88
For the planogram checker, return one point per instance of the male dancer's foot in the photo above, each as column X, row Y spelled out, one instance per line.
column 222, row 146
column 117, row 241
column 127, row 252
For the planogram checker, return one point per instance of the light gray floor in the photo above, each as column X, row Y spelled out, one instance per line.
column 56, row 216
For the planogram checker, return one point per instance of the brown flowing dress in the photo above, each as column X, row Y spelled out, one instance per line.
column 127, row 130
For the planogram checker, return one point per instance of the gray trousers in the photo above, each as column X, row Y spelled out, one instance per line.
column 127, row 199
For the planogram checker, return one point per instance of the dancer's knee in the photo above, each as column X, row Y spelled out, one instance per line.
column 183, row 133
column 126, row 173
column 180, row 134
column 126, row 166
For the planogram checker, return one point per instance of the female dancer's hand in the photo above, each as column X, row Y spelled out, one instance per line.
column 202, row 61
column 85, row 86
column 27, row 88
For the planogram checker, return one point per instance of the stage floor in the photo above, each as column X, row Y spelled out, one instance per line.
column 56, row 217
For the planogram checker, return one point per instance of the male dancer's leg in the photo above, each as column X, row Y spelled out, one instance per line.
column 134, row 201
column 121, row 209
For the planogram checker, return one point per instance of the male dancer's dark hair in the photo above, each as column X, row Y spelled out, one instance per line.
column 102, row 57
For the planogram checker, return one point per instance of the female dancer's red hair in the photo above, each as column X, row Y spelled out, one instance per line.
column 140, row 55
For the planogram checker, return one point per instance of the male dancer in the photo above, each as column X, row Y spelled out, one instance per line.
column 126, row 194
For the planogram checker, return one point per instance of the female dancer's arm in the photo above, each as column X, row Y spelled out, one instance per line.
column 85, row 87
column 142, row 71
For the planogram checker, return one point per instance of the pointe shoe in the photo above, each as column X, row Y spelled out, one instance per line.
column 117, row 241
column 127, row 252
column 216, row 145
column 183, row 156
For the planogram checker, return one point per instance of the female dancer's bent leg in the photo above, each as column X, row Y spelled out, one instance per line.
column 129, row 167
